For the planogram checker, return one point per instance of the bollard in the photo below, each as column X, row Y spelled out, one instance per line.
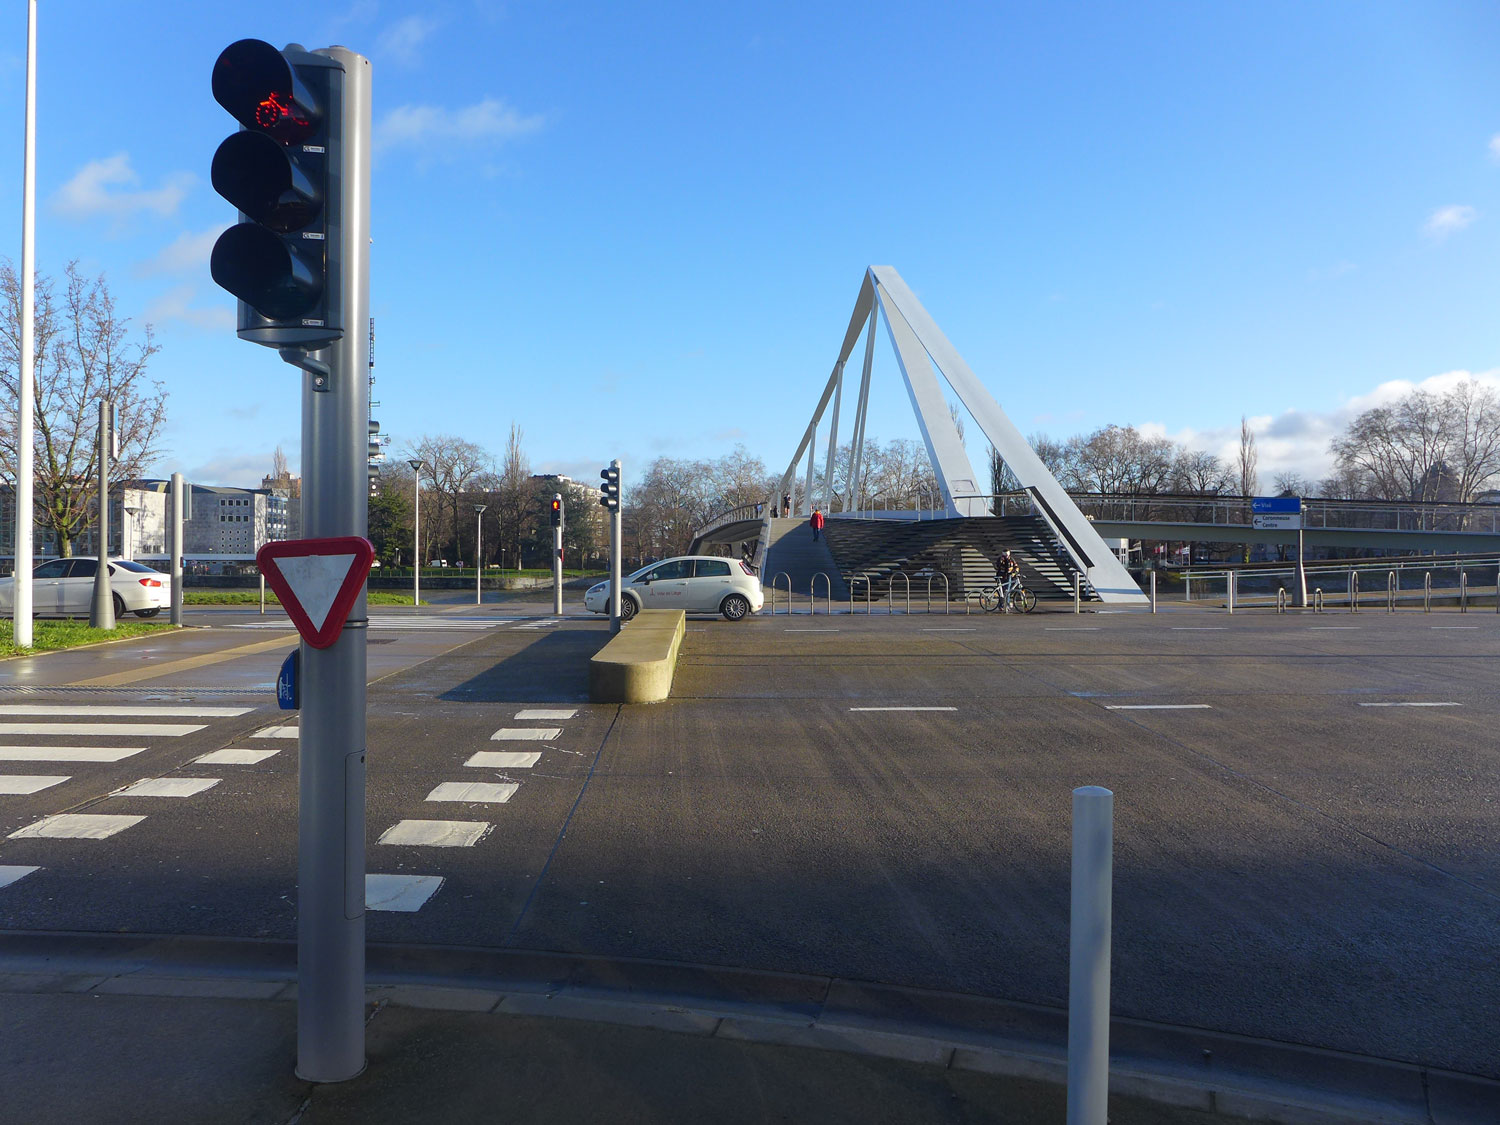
column 1229, row 588
column 1088, row 956
column 262, row 595
column 1077, row 593
column 1153, row 593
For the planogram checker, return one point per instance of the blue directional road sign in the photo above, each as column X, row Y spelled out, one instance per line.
column 1277, row 505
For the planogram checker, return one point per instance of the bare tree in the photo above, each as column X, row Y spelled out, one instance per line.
column 84, row 353
column 453, row 466
column 1249, row 481
column 515, row 495
column 1197, row 470
column 1291, row 483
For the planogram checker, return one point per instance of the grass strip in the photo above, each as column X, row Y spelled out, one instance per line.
column 252, row 597
column 49, row 636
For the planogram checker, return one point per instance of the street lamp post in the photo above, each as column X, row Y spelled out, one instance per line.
column 126, row 546
column 416, row 535
column 478, row 554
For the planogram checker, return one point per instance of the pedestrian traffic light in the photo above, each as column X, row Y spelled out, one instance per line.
column 284, row 172
column 557, row 511
column 609, row 491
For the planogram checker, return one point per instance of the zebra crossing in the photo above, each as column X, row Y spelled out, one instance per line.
column 408, row 893
column 112, row 724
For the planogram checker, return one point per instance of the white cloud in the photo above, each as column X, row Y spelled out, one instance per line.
column 1297, row 440
column 108, row 187
column 401, row 41
column 428, row 127
column 177, row 304
column 1495, row 147
column 187, row 253
column 1447, row 220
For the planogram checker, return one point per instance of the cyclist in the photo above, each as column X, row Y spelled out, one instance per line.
column 1008, row 573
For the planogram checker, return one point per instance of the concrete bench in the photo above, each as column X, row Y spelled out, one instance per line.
column 637, row 664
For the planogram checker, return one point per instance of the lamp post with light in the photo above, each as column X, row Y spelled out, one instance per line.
column 478, row 554
column 417, row 464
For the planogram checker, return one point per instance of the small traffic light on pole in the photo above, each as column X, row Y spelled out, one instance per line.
column 557, row 511
column 283, row 170
column 609, row 491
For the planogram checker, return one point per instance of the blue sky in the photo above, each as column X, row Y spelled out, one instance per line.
column 639, row 229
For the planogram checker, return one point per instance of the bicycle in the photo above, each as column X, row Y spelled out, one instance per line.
column 1022, row 600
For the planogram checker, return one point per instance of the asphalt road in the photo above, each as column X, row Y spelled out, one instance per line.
column 1300, row 854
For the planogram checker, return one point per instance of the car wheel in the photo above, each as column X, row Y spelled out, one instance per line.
column 119, row 607
column 148, row 612
column 735, row 606
column 627, row 608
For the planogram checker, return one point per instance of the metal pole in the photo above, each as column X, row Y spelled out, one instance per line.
column 262, row 595
column 1153, row 590
column 416, row 535
column 331, row 794
column 1229, row 587
column 614, row 553
column 1077, row 592
column 102, row 609
column 26, row 393
column 1301, row 569
column 557, row 558
column 478, row 554
column 1089, row 949
column 176, row 563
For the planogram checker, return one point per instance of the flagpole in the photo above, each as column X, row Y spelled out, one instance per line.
column 25, row 407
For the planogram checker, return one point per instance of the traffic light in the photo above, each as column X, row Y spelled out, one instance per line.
column 609, row 491
column 284, row 172
column 557, row 511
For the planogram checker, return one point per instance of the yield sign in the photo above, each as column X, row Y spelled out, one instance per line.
column 317, row 581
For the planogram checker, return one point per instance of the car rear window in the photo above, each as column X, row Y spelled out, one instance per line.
column 139, row 568
column 710, row 568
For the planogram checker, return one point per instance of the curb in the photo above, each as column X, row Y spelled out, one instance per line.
column 1182, row 1067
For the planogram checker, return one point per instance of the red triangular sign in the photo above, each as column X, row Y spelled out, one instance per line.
column 317, row 581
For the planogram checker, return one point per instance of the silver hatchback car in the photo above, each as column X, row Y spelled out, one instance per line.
column 696, row 583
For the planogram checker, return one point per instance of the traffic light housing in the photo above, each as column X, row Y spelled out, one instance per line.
column 609, row 491
column 284, row 173
column 557, row 511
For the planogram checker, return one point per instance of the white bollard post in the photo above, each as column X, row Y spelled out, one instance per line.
column 1077, row 593
column 1229, row 586
column 1153, row 591
column 262, row 595
column 1089, row 950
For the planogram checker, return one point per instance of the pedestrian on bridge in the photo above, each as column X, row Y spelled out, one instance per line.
column 817, row 523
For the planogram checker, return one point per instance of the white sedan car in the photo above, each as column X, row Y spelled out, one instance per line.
column 696, row 583
column 65, row 588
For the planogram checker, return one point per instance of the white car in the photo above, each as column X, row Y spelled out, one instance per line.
column 696, row 583
column 65, row 588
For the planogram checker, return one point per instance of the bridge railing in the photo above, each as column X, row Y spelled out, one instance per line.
column 1316, row 513
column 734, row 515
column 1401, row 576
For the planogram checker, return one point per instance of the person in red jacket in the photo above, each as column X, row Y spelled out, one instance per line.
column 817, row 523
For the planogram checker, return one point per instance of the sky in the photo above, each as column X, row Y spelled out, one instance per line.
column 638, row 230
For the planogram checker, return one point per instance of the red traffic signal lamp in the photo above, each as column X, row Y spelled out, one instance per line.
column 283, row 172
column 557, row 511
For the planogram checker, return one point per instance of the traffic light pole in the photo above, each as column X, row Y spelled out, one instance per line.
column 335, row 498
column 557, row 559
column 614, row 556
column 102, row 609
column 176, row 565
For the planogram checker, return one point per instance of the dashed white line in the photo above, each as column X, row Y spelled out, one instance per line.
column 968, row 629
column 124, row 710
column 22, row 784
column 140, row 730
column 475, row 792
column 809, row 630
column 13, row 873
column 504, row 760
column 526, row 734
column 1411, row 704
column 1158, row 707
column 1448, row 627
column 236, row 756
column 436, row 833
column 401, row 893
column 276, row 732
column 547, row 713
column 1198, row 628
column 903, row 708
column 68, row 753
column 76, row 826
column 167, row 787
column 1331, row 628
column 1071, row 628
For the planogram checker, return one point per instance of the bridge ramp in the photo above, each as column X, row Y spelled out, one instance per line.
column 791, row 551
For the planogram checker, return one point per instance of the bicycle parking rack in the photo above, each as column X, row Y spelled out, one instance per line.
column 865, row 578
column 947, row 597
column 1280, row 599
column 890, row 586
column 1427, row 591
column 1463, row 590
column 1354, row 591
column 774, row 588
column 1391, row 587
column 1317, row 599
column 812, row 593
column 1077, row 592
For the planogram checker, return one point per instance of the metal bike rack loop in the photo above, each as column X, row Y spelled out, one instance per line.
column 1463, row 590
column 890, row 586
column 1353, row 591
column 947, row 597
column 1427, row 592
column 1280, row 599
column 774, row 588
column 865, row 578
column 812, row 592
column 1391, row 586
column 1317, row 599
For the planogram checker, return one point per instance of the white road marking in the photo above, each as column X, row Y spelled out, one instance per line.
column 1071, row 628
column 436, row 833
column 76, row 826
column 236, row 756
column 1455, row 626
column 903, row 708
column 275, row 732
column 504, row 759
column 476, row 792
column 20, row 784
column 1411, row 704
column 1158, row 707
column 1198, row 628
column 1331, row 628
column 969, row 629
column 809, row 630
column 547, row 713
column 167, row 787
column 67, row 753
column 526, row 734
column 124, row 710
column 403, row 893
column 158, row 730
column 11, row 873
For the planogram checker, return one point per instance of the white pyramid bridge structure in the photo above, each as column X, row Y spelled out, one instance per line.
column 923, row 353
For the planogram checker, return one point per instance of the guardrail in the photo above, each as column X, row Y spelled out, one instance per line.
column 1458, row 589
